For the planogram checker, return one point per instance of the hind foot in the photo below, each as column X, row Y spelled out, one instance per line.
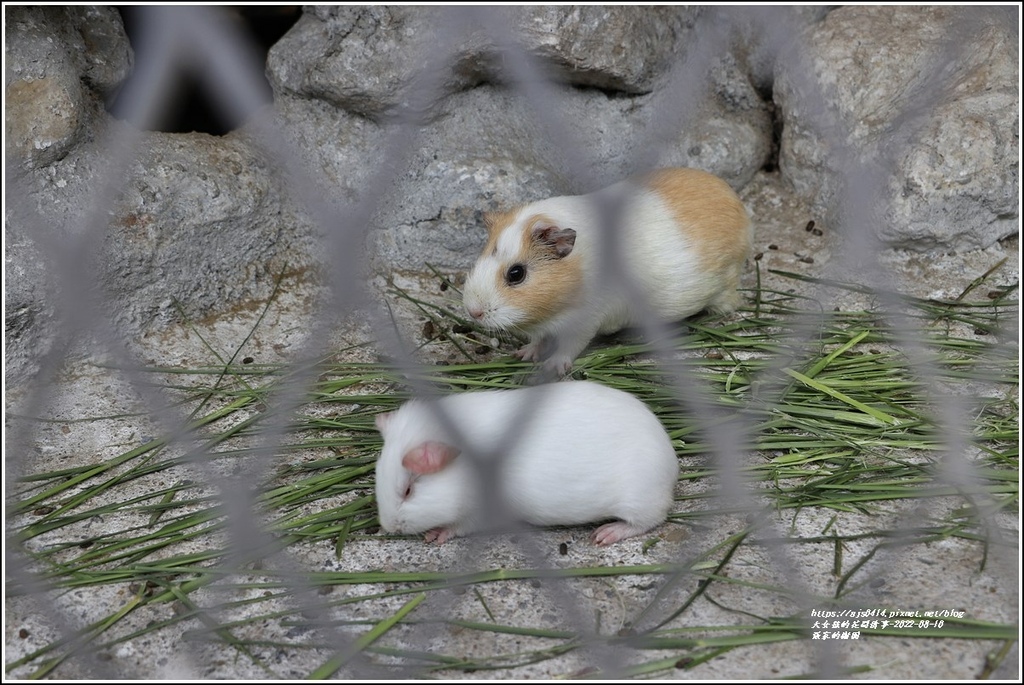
column 610, row 533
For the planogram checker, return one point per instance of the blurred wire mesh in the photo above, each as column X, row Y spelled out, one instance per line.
column 200, row 39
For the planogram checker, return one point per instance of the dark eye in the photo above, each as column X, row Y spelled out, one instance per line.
column 515, row 274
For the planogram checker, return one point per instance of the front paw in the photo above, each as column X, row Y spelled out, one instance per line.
column 551, row 371
column 558, row 365
column 530, row 352
column 438, row 535
column 537, row 349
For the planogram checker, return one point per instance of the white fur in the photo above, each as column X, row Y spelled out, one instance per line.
column 659, row 257
column 566, row 453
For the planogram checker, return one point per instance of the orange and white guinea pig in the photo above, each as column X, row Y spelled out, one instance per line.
column 684, row 236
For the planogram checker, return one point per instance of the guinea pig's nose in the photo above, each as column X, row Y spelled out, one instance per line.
column 476, row 313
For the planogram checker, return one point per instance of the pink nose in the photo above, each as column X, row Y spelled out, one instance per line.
column 476, row 313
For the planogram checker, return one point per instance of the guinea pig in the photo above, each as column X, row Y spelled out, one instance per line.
column 684, row 236
column 578, row 452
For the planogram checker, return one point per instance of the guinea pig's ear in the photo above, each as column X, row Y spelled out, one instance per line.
column 383, row 420
column 430, row 457
column 558, row 242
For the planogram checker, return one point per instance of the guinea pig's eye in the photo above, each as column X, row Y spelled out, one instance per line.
column 515, row 274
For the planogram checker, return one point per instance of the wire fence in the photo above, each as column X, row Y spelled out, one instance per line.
column 912, row 444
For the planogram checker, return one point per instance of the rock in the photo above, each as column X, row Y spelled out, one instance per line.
column 368, row 60
column 60, row 62
column 487, row 150
column 205, row 222
column 28, row 311
column 199, row 223
column 201, row 227
column 730, row 134
column 927, row 95
column 763, row 31
column 344, row 150
column 100, row 45
column 43, row 119
column 481, row 153
column 622, row 49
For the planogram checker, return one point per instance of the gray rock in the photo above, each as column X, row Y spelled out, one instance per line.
column 756, row 47
column 616, row 48
column 930, row 96
column 344, row 150
column 368, row 60
column 28, row 310
column 199, row 225
column 100, row 46
column 43, row 119
column 487, row 149
column 349, row 56
column 204, row 223
column 480, row 154
column 60, row 62
column 729, row 135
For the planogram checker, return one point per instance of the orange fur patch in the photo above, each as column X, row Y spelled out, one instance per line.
column 708, row 211
column 496, row 222
column 552, row 285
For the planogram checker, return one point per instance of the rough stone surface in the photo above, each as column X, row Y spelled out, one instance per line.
column 928, row 95
column 44, row 117
column 755, row 48
column 368, row 59
column 99, row 45
column 729, row 135
column 488, row 148
column 485, row 151
column 201, row 225
column 58, row 61
column 622, row 49
column 198, row 222
column 480, row 154
column 28, row 306
column 205, row 222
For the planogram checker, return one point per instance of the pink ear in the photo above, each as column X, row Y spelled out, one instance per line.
column 559, row 241
column 383, row 420
column 430, row 457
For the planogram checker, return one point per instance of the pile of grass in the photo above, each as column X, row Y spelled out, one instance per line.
column 846, row 427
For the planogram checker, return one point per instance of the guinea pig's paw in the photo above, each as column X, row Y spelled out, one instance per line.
column 610, row 533
column 438, row 535
column 558, row 365
column 530, row 352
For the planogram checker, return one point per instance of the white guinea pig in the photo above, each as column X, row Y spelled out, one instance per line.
column 684, row 236
column 577, row 452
